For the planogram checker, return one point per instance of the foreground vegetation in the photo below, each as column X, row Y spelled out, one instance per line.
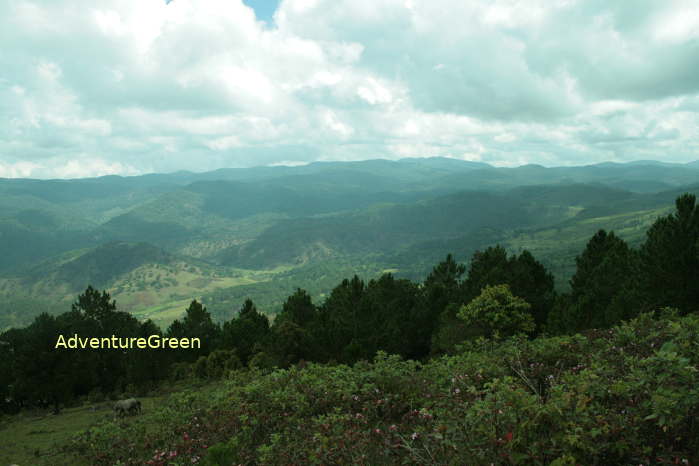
column 627, row 395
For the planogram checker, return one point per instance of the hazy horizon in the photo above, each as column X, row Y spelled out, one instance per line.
column 301, row 164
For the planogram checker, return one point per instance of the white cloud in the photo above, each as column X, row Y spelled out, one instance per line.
column 17, row 169
column 138, row 85
column 678, row 25
column 374, row 93
column 91, row 167
column 332, row 122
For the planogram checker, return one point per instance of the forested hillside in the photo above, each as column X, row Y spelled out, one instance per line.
column 155, row 241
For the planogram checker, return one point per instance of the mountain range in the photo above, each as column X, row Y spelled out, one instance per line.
column 157, row 241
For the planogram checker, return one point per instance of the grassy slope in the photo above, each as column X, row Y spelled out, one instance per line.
column 162, row 292
column 34, row 437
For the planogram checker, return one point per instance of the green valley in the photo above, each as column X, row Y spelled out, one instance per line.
column 156, row 241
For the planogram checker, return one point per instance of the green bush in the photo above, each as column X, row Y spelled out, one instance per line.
column 496, row 311
column 181, row 371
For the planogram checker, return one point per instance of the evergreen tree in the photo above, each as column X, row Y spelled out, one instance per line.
column 94, row 314
column 602, row 288
column 97, row 307
column 489, row 267
column 670, row 258
column 196, row 323
column 299, row 308
column 445, row 274
column 290, row 343
column 449, row 331
column 530, row 280
column 442, row 287
column 149, row 366
column 43, row 373
column 443, row 295
column 250, row 329
column 7, row 370
column 394, row 319
column 338, row 318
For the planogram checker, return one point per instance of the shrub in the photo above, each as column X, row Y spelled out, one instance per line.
column 496, row 311
column 625, row 395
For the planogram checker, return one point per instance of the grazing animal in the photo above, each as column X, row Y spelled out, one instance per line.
column 130, row 406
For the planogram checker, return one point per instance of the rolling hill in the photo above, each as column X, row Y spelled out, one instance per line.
column 157, row 241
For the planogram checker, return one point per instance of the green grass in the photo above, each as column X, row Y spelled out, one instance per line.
column 32, row 437
column 179, row 284
column 163, row 314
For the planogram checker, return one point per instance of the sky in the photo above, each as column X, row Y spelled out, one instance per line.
column 139, row 86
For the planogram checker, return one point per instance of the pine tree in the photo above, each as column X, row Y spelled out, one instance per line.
column 44, row 374
column 299, row 308
column 670, row 258
column 250, row 329
column 443, row 295
column 602, row 288
column 530, row 280
column 196, row 323
column 95, row 306
column 489, row 267
column 338, row 317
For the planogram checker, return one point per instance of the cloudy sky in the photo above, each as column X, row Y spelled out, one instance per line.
column 136, row 86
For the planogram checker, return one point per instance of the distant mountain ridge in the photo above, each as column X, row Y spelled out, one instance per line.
column 183, row 210
column 261, row 172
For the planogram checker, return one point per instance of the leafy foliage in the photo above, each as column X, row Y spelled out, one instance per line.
column 526, row 276
column 496, row 311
